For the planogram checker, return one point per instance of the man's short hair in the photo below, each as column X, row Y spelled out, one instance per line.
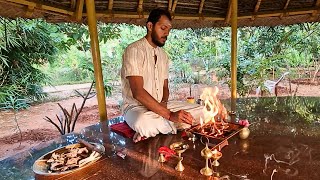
column 156, row 14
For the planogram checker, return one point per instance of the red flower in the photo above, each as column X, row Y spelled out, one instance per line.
column 244, row 123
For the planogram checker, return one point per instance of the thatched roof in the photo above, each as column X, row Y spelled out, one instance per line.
column 186, row 13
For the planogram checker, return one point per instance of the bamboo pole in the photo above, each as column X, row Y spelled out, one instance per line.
column 55, row 10
column 201, row 6
column 316, row 11
column 110, row 5
column 30, row 11
column 256, row 9
column 303, row 11
column 174, row 5
column 95, row 50
column 73, row 4
column 42, row 6
column 79, row 9
column 169, row 5
column 134, row 15
column 228, row 13
column 287, row 4
column 140, row 8
column 313, row 11
column 285, row 8
column 277, row 13
column 234, row 29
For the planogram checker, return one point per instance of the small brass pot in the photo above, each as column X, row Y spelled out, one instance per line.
column 244, row 133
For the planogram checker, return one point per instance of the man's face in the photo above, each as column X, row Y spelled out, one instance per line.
column 160, row 31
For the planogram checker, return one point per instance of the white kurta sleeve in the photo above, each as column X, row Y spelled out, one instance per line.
column 132, row 60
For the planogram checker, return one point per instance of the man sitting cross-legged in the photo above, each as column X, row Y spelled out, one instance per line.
column 144, row 77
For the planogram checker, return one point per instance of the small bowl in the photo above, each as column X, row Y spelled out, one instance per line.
column 179, row 147
column 191, row 100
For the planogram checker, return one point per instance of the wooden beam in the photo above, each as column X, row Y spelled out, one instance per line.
column 256, row 8
column 194, row 17
column 134, row 15
column 41, row 6
column 110, row 5
column 79, row 10
column 317, row 4
column 174, row 5
column 278, row 13
column 286, row 5
column 201, row 6
column 61, row 11
column 285, row 8
column 30, row 11
column 169, row 5
column 227, row 20
column 73, row 4
column 140, row 7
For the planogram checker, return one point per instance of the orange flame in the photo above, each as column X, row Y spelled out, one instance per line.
column 214, row 112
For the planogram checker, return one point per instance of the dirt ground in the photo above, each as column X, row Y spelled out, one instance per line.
column 36, row 130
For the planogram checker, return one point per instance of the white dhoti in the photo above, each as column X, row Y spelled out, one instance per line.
column 149, row 124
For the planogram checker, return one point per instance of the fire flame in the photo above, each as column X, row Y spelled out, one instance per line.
column 214, row 112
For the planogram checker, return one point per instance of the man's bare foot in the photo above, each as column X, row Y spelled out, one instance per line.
column 137, row 137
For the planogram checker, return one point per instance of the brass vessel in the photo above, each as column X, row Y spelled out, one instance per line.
column 244, row 133
column 162, row 159
column 179, row 148
column 207, row 154
column 216, row 155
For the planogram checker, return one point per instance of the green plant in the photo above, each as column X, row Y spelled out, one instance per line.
column 68, row 121
column 108, row 88
column 24, row 45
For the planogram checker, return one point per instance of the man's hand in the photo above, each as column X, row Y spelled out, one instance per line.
column 181, row 116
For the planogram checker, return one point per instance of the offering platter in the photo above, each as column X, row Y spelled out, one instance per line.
column 68, row 159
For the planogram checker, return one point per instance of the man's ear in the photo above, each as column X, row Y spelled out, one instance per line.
column 149, row 26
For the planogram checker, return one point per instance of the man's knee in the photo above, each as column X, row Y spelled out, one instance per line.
column 138, row 121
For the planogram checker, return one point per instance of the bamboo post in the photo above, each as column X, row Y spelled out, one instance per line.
column 79, row 9
column 174, row 5
column 169, row 5
column 227, row 19
column 234, row 29
column 256, row 9
column 95, row 50
column 201, row 7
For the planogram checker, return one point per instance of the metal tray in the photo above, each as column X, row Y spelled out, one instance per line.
column 232, row 130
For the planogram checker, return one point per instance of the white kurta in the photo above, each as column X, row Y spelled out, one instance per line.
column 139, row 60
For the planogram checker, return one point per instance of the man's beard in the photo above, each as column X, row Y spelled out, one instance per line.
column 155, row 40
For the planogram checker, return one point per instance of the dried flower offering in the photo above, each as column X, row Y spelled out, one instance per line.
column 70, row 159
